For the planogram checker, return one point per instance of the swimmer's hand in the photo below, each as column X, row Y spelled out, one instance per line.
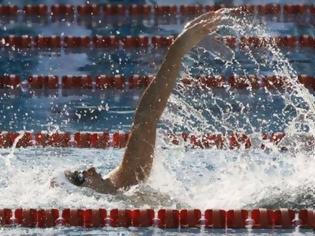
column 197, row 29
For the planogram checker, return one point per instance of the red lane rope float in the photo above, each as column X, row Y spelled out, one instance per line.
column 57, row 10
column 10, row 81
column 75, row 42
column 35, row 10
column 100, row 82
column 163, row 218
column 8, row 10
column 120, row 139
column 54, row 41
column 80, row 140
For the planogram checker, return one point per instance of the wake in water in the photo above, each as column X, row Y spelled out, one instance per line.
column 254, row 177
column 198, row 178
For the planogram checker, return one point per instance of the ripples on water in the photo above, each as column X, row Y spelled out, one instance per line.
column 193, row 178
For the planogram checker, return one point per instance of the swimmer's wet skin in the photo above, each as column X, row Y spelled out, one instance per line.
column 138, row 158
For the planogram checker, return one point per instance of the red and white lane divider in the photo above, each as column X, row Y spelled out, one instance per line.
column 129, row 42
column 120, row 139
column 52, row 82
column 80, row 140
column 55, row 42
column 62, row 10
column 163, row 218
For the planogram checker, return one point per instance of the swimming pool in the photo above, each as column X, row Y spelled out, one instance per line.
column 275, row 176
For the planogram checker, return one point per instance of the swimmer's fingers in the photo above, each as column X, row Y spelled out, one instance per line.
column 200, row 18
column 236, row 11
column 210, row 26
column 191, row 36
column 197, row 32
column 223, row 14
column 232, row 10
column 204, row 17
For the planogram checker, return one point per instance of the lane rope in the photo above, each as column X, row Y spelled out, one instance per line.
column 128, row 42
column 64, row 10
column 163, row 218
column 37, row 83
column 119, row 139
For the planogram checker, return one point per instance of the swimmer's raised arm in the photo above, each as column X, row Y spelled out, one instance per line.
column 154, row 99
column 138, row 157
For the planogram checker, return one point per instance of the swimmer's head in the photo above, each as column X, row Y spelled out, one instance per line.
column 77, row 178
column 91, row 179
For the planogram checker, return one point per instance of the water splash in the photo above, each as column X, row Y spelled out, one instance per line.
column 197, row 178
column 244, row 178
column 203, row 109
column 10, row 156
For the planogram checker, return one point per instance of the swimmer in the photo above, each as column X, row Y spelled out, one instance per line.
column 138, row 158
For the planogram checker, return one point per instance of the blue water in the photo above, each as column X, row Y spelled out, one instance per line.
column 60, row 111
column 253, row 178
column 52, row 111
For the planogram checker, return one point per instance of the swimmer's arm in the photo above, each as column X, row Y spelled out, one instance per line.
column 154, row 98
column 138, row 157
column 140, row 148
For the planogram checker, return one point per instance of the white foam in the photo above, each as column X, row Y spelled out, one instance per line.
column 195, row 178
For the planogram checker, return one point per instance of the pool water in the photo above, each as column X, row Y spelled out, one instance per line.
column 182, row 177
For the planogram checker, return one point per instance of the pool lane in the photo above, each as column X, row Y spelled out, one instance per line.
column 127, row 62
column 122, row 26
column 113, row 110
